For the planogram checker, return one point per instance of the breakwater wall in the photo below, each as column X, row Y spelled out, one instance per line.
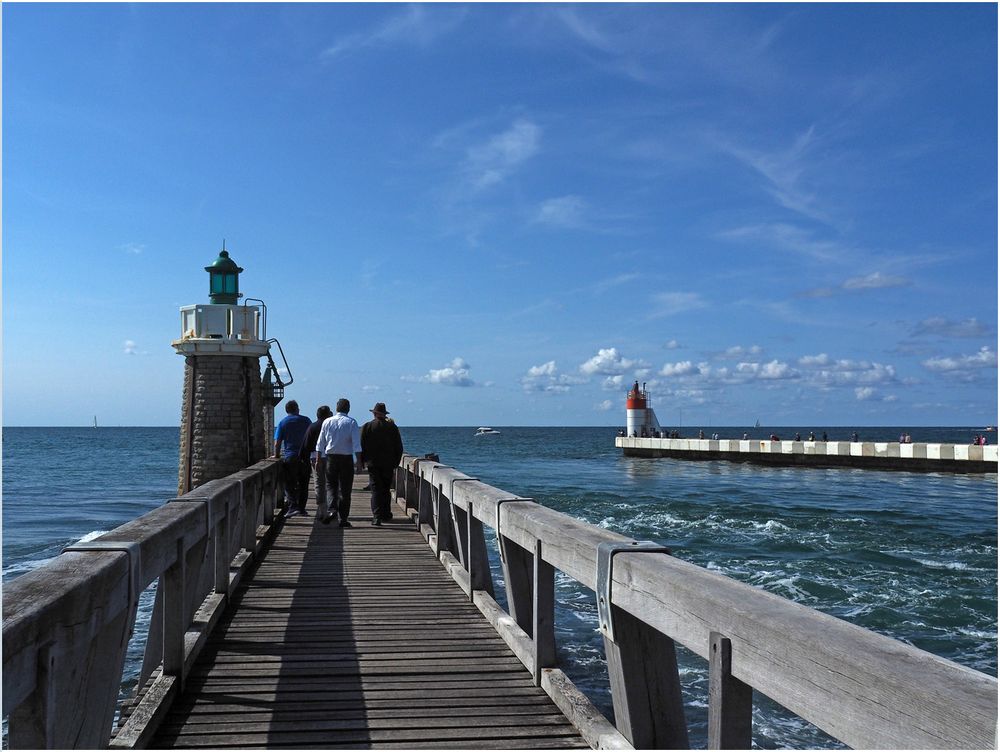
column 872, row 455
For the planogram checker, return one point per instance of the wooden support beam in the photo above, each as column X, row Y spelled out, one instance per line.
column 645, row 685
column 730, row 701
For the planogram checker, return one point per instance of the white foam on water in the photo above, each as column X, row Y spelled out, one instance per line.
column 24, row 566
column 957, row 565
column 91, row 536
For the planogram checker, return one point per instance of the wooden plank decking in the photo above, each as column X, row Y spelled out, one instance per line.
column 358, row 638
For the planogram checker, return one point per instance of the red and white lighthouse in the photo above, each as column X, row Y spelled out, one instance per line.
column 640, row 418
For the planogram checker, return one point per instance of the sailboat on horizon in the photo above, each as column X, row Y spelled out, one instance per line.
column 95, row 421
column 756, row 423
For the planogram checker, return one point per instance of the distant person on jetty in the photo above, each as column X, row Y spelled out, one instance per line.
column 338, row 444
column 317, row 464
column 289, row 435
column 381, row 449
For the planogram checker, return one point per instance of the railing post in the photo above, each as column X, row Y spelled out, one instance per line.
column 730, row 701
column 543, row 614
column 174, row 611
column 31, row 724
column 645, row 685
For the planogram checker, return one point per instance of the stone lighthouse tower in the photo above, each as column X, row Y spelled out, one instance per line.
column 224, row 406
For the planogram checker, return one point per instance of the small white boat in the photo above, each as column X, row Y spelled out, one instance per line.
column 486, row 431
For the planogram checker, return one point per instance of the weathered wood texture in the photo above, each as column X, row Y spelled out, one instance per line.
column 358, row 638
column 865, row 689
column 66, row 624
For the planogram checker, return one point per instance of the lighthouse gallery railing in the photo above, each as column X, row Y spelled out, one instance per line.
column 865, row 689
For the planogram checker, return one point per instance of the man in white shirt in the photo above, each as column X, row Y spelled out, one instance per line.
column 339, row 443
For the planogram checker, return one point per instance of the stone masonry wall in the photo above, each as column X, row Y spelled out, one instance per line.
column 222, row 424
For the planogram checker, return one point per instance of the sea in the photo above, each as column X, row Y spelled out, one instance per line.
column 909, row 555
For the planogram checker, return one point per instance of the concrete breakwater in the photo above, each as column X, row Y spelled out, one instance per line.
column 873, row 455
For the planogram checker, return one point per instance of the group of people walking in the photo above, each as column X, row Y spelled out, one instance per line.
column 335, row 447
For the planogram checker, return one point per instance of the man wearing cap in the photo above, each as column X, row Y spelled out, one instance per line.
column 339, row 441
column 381, row 450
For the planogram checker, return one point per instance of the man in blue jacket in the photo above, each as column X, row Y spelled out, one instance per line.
column 289, row 435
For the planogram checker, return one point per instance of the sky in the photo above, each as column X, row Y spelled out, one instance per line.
column 503, row 214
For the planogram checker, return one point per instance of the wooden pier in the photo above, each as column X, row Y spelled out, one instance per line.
column 288, row 633
column 355, row 638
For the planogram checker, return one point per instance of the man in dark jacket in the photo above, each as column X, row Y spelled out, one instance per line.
column 381, row 450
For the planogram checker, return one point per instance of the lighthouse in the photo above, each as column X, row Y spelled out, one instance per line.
column 225, row 405
column 640, row 418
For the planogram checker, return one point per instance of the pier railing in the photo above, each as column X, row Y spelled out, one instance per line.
column 66, row 625
column 865, row 689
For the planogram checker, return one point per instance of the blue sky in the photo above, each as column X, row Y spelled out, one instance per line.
column 502, row 214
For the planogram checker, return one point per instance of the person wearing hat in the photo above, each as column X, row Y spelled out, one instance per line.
column 381, row 450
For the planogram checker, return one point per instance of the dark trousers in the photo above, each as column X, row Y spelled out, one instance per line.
column 381, row 484
column 339, row 479
column 296, row 472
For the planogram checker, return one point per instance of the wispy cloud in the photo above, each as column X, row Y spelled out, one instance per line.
column 492, row 162
column 671, row 303
column 873, row 281
column 130, row 348
column 564, row 211
column 783, row 171
column 604, row 406
column 133, row 248
column 416, row 26
column 942, row 327
column 787, row 237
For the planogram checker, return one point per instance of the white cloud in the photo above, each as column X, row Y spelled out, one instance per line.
column 130, row 348
column 133, row 248
column 613, row 382
column 369, row 388
column 608, row 362
column 671, row 303
column 814, row 360
column 741, row 352
column 606, row 284
column 547, row 379
column 565, row 211
column 671, row 345
column 490, row 163
column 985, row 358
column 774, row 370
column 604, row 406
column 683, row 368
column 455, row 373
column 864, row 392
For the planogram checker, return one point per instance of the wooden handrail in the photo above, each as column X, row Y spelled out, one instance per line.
column 865, row 689
column 66, row 624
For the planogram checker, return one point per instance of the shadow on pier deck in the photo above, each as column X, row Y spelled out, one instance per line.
column 358, row 638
